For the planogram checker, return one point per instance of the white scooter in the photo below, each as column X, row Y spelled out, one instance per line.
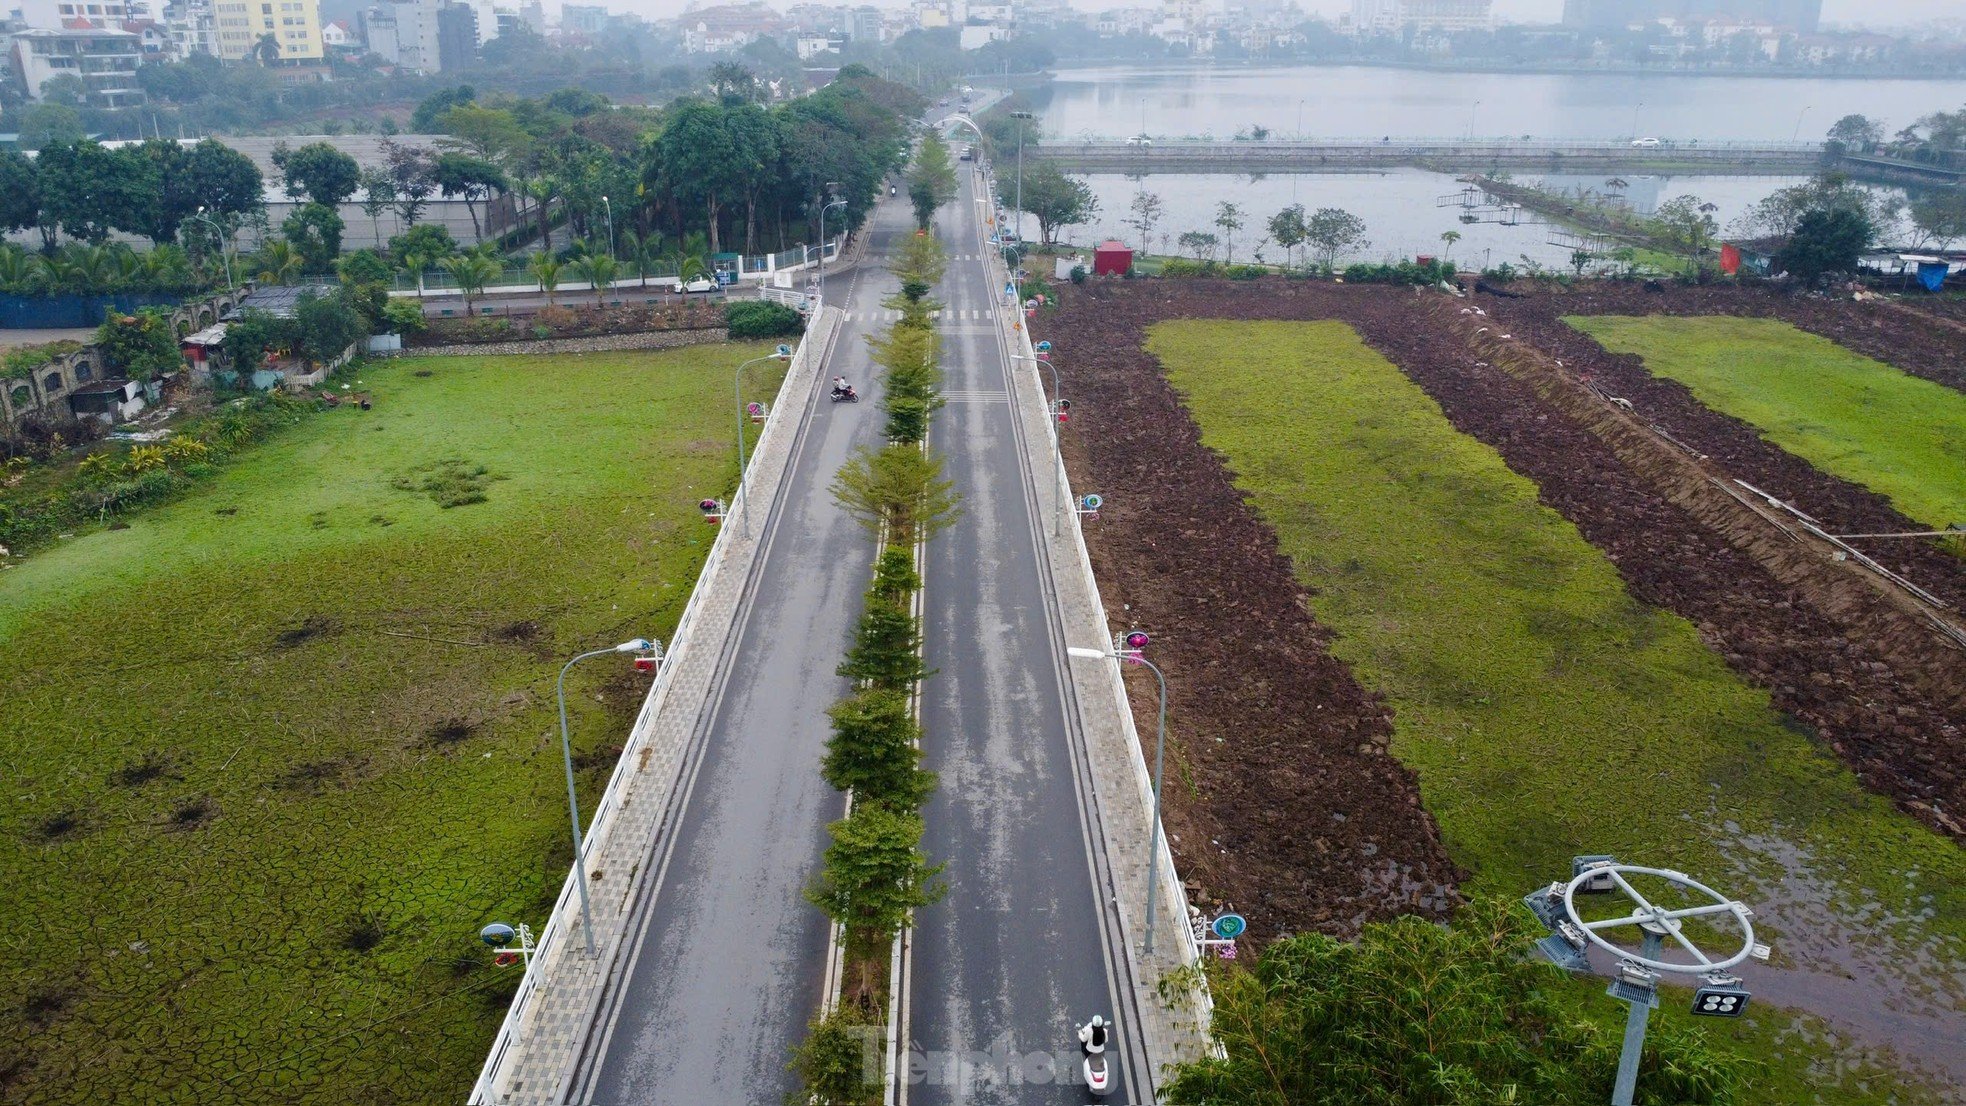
column 1092, row 1041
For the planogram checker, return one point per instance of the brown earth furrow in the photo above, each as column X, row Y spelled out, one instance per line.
column 1281, row 797
column 1824, row 669
column 1734, row 446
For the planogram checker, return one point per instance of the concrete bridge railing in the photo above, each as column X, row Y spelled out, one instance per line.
column 1202, row 155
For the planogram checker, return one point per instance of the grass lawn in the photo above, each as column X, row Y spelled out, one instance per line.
column 277, row 750
column 1547, row 713
column 1848, row 415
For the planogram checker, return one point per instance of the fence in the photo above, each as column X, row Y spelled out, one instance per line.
column 519, row 279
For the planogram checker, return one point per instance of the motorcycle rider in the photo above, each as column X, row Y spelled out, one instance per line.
column 841, row 388
column 1092, row 1035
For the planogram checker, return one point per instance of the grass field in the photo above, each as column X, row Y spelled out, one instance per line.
column 1547, row 713
column 277, row 750
column 1846, row 414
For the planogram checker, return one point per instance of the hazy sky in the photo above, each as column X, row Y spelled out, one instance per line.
column 1873, row 12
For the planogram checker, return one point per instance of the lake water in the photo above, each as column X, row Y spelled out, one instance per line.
column 1401, row 208
column 1371, row 102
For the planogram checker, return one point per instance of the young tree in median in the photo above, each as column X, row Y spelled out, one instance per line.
column 931, row 179
column 886, row 650
column 1057, row 200
column 874, row 874
column 898, row 490
column 839, row 1062
column 1333, row 231
column 873, row 752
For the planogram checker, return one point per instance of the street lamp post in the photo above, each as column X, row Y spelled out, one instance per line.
column 224, row 256
column 609, row 208
column 783, row 353
column 1020, row 116
column 1635, row 110
column 1300, row 120
column 1797, row 136
column 637, row 645
column 1160, row 756
column 1471, row 119
column 822, row 248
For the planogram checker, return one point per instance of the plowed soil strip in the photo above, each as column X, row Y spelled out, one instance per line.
column 1177, row 535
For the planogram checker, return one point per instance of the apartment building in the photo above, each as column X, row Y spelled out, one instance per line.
column 243, row 25
column 105, row 60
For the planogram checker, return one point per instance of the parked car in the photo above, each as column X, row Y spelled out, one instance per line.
column 694, row 284
column 1139, row 140
column 1645, row 143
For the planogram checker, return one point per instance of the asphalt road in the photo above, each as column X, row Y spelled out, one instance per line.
column 718, row 984
column 1019, row 953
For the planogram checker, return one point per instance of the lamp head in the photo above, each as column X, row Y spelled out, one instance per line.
column 1087, row 654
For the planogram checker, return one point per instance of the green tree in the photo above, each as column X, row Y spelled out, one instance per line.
column 898, row 491
column 249, row 338
column 435, row 106
column 1826, row 241
column 1289, row 230
column 599, row 271
column 873, row 752
column 931, row 179
column 1856, row 132
column 1688, row 222
column 839, row 1063
column 472, row 272
column 1940, row 216
column 886, row 649
column 919, row 263
column 492, row 134
column 1332, row 231
column 1057, row 200
column 1199, row 243
column 546, row 271
column 1448, row 238
column 1416, row 1012
column 278, row 262
column 874, row 874
column 20, row 191
column 412, row 178
column 44, row 125
column 1147, row 209
column 699, row 157
column 471, row 179
column 318, row 173
column 140, row 346
column 323, row 327
column 378, row 196
column 315, row 231
column 88, row 190
column 1228, row 216
column 434, row 243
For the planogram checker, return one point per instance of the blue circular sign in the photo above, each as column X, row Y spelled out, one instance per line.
column 1229, row 926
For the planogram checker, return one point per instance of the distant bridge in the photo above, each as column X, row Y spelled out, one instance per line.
column 1184, row 155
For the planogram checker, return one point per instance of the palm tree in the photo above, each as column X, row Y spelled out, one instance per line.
column 639, row 251
column 267, row 50
column 279, row 262
column 544, row 189
column 599, row 270
column 415, row 263
column 1450, row 237
column 21, row 273
column 547, row 271
column 472, row 272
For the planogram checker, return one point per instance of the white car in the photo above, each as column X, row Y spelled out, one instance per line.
column 1139, row 140
column 1645, row 143
column 694, row 284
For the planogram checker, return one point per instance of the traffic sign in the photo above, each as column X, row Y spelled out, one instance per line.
column 1229, row 926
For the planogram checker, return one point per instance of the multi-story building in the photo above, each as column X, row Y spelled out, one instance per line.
column 1801, row 16
column 404, row 33
column 1392, row 16
column 457, row 36
column 583, row 19
column 191, row 27
column 54, row 14
column 244, row 25
column 105, row 60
